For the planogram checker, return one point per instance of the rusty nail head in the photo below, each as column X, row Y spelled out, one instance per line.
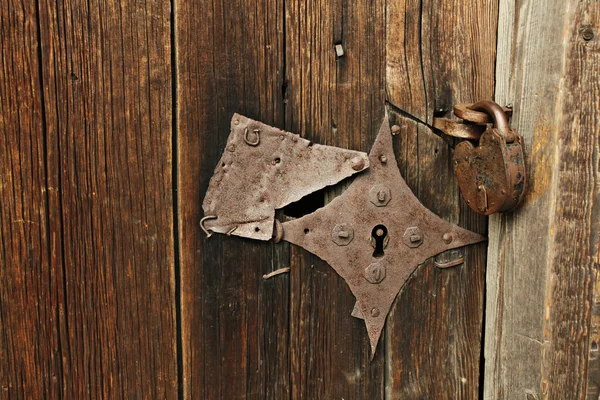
column 395, row 129
column 375, row 273
column 342, row 234
column 358, row 163
column 380, row 195
column 413, row 237
column 339, row 50
column 375, row 312
column 448, row 238
column 587, row 33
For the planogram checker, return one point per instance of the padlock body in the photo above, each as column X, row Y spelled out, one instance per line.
column 492, row 175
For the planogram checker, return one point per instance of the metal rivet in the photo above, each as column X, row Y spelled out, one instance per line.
column 342, row 234
column 375, row 273
column 380, row 195
column 358, row 163
column 447, row 238
column 413, row 237
column 375, row 312
column 395, row 129
column 236, row 122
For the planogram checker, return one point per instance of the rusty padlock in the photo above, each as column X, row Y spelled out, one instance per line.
column 492, row 176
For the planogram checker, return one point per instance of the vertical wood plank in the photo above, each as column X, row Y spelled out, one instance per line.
column 542, row 299
column 434, row 328
column 30, row 283
column 438, row 54
column 234, row 325
column 340, row 102
column 576, row 255
column 87, row 277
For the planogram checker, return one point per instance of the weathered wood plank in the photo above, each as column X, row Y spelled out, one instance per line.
column 438, row 54
column 435, row 326
column 30, row 283
column 340, row 102
column 593, row 380
column 234, row 325
column 87, row 277
column 543, row 259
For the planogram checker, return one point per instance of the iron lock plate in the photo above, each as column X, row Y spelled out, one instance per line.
column 374, row 235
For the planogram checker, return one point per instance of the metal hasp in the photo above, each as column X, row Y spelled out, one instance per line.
column 375, row 234
column 263, row 169
column 491, row 176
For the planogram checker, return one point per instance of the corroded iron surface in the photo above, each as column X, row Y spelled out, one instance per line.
column 492, row 176
column 264, row 168
column 376, row 234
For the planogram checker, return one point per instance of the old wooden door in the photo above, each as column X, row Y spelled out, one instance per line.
column 113, row 116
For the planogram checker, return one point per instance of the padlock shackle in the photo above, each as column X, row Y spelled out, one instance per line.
column 498, row 114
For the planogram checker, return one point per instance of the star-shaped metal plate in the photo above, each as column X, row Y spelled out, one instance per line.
column 376, row 234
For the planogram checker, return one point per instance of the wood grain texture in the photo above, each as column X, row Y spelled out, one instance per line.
column 540, row 320
column 575, row 259
column 434, row 329
column 29, row 299
column 593, row 379
column 235, row 331
column 340, row 102
column 87, row 277
column 439, row 53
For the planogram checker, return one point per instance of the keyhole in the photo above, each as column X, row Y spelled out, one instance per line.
column 379, row 234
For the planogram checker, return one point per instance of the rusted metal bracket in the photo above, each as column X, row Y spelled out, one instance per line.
column 374, row 235
column 265, row 168
column 378, row 208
